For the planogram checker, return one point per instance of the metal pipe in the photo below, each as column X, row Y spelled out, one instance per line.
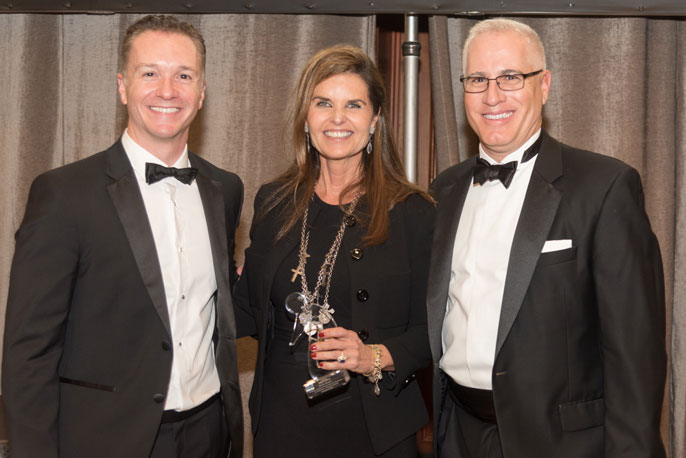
column 411, row 52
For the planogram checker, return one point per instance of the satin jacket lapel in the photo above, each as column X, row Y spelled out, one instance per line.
column 128, row 201
column 535, row 220
column 450, row 202
column 213, row 207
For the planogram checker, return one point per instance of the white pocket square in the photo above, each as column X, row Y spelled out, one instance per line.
column 556, row 245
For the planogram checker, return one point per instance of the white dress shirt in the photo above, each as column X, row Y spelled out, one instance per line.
column 479, row 267
column 177, row 218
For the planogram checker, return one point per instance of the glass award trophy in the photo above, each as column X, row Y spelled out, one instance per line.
column 310, row 319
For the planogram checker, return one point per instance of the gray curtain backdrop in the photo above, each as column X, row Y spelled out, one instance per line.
column 618, row 88
column 59, row 102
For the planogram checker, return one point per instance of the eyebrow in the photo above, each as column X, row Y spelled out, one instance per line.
column 183, row 68
column 507, row 71
column 325, row 99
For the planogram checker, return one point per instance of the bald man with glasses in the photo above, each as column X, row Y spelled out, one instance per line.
column 546, row 292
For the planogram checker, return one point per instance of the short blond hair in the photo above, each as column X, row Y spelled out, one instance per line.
column 506, row 25
column 161, row 23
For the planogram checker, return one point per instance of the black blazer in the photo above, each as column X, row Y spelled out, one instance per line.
column 388, row 286
column 580, row 354
column 87, row 353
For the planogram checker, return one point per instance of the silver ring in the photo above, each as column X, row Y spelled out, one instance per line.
column 342, row 358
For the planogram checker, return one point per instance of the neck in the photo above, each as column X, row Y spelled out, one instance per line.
column 168, row 157
column 168, row 151
column 498, row 157
column 334, row 177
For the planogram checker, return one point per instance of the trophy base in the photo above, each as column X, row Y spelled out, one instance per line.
column 331, row 381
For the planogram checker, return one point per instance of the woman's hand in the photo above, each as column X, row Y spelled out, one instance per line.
column 341, row 348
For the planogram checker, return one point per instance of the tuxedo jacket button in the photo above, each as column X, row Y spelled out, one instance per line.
column 362, row 295
column 363, row 334
column 166, row 346
column 356, row 254
column 158, row 397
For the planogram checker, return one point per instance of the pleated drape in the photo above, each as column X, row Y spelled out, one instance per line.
column 618, row 88
column 60, row 103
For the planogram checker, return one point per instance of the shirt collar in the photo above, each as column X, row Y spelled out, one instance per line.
column 138, row 156
column 514, row 156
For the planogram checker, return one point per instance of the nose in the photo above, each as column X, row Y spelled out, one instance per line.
column 493, row 94
column 166, row 88
column 339, row 115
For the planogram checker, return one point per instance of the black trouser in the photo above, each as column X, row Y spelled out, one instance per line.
column 468, row 425
column 203, row 434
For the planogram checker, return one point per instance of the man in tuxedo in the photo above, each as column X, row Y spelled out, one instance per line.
column 546, row 294
column 120, row 330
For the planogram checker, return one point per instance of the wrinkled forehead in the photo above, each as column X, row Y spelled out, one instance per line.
column 500, row 51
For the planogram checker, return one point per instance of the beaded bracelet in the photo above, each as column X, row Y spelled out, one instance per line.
column 375, row 374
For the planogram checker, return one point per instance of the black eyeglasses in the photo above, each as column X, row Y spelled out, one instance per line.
column 509, row 82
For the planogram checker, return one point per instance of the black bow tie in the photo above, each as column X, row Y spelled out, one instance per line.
column 155, row 172
column 484, row 171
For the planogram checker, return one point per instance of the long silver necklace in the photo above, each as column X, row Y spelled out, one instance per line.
column 312, row 310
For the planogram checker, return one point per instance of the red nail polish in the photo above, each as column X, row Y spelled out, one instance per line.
column 321, row 334
column 313, row 355
column 320, row 364
column 313, row 347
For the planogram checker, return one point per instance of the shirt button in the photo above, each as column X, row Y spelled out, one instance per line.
column 183, row 297
column 158, row 397
column 350, row 220
column 362, row 295
column 166, row 346
column 356, row 254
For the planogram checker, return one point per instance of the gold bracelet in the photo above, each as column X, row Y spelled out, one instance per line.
column 375, row 374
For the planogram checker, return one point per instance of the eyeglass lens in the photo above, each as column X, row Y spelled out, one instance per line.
column 505, row 82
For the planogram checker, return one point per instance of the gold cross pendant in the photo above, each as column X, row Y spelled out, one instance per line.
column 296, row 272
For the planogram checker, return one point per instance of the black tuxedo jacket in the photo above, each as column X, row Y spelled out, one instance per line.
column 388, row 290
column 580, row 354
column 87, row 346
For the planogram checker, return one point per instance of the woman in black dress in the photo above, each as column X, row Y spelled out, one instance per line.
column 342, row 239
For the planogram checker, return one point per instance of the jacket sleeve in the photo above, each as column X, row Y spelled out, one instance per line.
column 43, row 272
column 245, row 316
column 629, row 285
column 235, row 197
column 411, row 350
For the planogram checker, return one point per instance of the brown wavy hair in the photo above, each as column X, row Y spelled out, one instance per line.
column 381, row 178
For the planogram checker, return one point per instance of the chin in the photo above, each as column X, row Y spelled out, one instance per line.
column 496, row 143
column 165, row 133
